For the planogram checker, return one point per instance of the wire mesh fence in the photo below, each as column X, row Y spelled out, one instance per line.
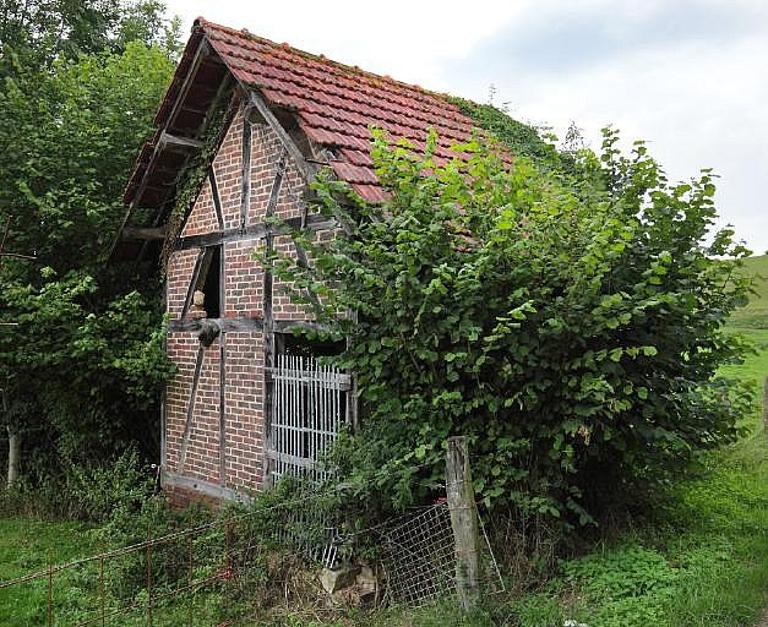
column 419, row 559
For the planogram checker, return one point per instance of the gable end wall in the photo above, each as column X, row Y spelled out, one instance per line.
column 242, row 351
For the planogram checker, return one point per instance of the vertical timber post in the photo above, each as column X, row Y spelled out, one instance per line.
column 765, row 404
column 14, row 455
column 461, row 504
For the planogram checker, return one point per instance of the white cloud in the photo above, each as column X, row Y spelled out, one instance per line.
column 690, row 76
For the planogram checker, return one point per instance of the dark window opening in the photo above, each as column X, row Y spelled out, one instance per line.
column 211, row 283
column 290, row 344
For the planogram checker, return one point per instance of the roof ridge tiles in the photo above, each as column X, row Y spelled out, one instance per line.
column 427, row 97
column 244, row 33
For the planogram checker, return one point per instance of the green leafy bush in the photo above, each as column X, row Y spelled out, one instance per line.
column 568, row 322
column 93, row 493
column 119, row 488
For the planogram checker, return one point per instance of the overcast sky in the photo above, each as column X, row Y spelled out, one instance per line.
column 688, row 76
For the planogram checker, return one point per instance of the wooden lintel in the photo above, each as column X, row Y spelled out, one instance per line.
column 225, row 324
column 287, row 326
column 133, row 233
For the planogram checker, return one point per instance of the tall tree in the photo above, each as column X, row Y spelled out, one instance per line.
column 81, row 81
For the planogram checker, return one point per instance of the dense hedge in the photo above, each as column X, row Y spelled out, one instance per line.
column 567, row 319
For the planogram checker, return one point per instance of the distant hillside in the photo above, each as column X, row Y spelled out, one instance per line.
column 755, row 315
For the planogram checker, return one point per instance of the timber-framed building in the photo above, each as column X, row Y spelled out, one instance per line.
column 255, row 120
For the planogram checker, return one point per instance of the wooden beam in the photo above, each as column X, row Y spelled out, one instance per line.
column 167, row 139
column 277, row 184
column 216, row 198
column 191, row 409
column 269, row 331
column 245, row 192
column 288, row 326
column 307, row 172
column 172, row 480
column 223, row 409
column 254, row 231
column 225, row 324
column 202, row 49
column 193, row 281
column 134, row 233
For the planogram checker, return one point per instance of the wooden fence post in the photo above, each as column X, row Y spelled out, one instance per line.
column 461, row 504
column 765, row 404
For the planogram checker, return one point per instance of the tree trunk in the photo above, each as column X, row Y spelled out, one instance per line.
column 14, row 455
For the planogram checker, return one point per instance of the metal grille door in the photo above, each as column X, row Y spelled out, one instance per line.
column 309, row 405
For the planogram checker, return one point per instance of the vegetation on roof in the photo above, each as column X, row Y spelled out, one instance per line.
column 521, row 139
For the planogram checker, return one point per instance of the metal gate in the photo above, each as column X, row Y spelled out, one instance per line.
column 309, row 406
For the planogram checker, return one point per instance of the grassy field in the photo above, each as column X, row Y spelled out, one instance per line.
column 755, row 315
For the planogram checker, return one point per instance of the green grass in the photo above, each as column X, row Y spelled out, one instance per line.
column 755, row 367
column 704, row 561
column 26, row 546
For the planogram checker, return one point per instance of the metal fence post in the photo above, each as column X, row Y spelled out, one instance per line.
column 50, row 588
column 190, row 578
column 149, row 577
column 461, row 504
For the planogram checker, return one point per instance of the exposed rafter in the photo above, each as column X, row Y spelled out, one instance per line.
column 168, row 139
column 134, row 233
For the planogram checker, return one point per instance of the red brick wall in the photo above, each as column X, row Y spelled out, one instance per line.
column 243, row 298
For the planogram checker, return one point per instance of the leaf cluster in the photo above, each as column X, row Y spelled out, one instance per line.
column 568, row 321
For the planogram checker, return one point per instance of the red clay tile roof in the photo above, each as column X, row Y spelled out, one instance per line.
column 336, row 104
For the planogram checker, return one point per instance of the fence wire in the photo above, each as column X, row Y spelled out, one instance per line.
column 164, row 576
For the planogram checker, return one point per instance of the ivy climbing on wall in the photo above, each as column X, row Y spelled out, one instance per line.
column 194, row 174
